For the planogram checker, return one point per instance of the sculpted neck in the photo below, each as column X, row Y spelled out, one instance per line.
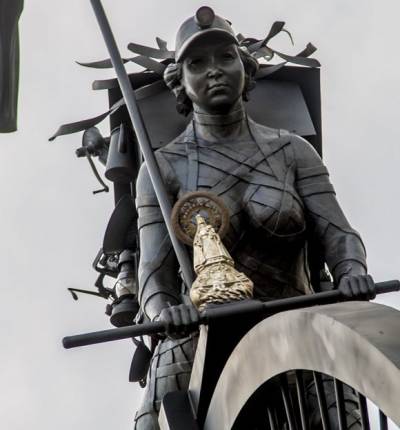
column 221, row 127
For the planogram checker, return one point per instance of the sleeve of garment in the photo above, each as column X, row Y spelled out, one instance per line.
column 343, row 248
column 158, row 268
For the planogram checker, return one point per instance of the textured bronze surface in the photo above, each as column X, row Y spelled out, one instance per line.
column 217, row 280
column 211, row 207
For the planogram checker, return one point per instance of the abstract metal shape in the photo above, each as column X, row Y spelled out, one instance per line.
column 355, row 342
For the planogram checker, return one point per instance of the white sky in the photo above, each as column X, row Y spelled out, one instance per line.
column 51, row 226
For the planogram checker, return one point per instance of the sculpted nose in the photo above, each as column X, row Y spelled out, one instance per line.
column 214, row 72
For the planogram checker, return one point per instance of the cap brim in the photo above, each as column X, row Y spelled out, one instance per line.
column 183, row 50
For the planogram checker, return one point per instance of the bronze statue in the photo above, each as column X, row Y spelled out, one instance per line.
column 273, row 182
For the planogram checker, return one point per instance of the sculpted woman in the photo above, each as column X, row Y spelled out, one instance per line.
column 273, row 182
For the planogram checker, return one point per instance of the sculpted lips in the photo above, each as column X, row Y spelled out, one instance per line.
column 217, row 86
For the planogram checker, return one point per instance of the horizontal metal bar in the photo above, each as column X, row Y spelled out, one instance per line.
column 213, row 313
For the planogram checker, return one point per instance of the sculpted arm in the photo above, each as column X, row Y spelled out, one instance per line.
column 158, row 269
column 344, row 251
column 159, row 282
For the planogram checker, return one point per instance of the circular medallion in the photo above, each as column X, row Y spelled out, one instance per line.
column 211, row 207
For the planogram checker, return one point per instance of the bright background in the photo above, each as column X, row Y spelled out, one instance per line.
column 51, row 226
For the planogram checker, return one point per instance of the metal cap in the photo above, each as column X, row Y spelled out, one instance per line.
column 204, row 22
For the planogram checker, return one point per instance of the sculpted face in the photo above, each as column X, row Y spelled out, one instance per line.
column 213, row 75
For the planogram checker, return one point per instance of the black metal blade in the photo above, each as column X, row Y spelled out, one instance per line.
column 140, row 362
column 121, row 220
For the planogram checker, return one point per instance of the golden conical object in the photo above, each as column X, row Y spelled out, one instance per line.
column 217, row 280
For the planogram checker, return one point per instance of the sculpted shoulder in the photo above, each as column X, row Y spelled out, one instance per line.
column 176, row 145
column 263, row 131
column 275, row 139
column 305, row 154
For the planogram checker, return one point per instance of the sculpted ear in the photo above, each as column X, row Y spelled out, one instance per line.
column 173, row 79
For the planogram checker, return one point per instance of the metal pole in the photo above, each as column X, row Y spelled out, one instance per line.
column 235, row 309
column 143, row 139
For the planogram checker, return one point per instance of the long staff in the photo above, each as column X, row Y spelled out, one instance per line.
column 143, row 139
column 235, row 309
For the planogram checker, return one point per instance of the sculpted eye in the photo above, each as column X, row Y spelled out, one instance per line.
column 193, row 62
column 228, row 56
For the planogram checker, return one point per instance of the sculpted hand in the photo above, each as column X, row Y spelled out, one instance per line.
column 357, row 287
column 180, row 320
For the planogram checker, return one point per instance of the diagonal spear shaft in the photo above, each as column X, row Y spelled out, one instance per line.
column 143, row 139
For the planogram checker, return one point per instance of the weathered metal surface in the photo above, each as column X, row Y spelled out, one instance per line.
column 355, row 342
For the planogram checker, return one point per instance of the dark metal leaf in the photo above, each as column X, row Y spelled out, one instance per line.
column 289, row 34
column 97, row 175
column 301, row 60
column 101, row 64
column 120, row 222
column 276, row 28
column 73, row 294
column 140, row 363
column 74, row 127
column 149, row 52
column 162, row 44
column 150, row 64
column 269, row 70
column 307, row 51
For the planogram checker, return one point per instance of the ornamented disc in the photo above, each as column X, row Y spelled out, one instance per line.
column 211, row 207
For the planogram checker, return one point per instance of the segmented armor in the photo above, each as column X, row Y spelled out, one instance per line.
column 279, row 196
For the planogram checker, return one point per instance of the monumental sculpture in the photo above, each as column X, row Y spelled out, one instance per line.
column 263, row 230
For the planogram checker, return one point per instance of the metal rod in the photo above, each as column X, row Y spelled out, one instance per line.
column 219, row 312
column 323, row 408
column 112, row 334
column 383, row 422
column 287, row 403
column 340, row 407
column 301, row 396
column 271, row 419
column 143, row 139
column 362, row 403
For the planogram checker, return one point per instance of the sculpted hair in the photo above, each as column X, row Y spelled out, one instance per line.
column 173, row 77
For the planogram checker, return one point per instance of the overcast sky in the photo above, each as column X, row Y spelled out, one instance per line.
column 51, row 226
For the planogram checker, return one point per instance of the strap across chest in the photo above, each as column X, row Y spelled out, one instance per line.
column 267, row 150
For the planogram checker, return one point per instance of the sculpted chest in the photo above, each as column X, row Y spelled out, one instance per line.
column 260, row 193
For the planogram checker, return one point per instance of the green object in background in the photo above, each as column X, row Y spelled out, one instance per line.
column 10, row 11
